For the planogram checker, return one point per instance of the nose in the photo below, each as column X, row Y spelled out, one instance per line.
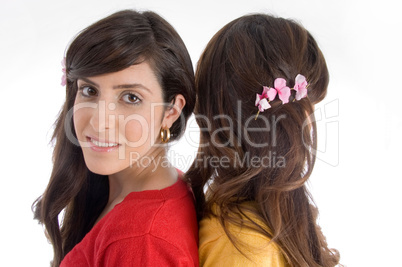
column 103, row 117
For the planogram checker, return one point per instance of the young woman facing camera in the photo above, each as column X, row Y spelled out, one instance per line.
column 257, row 82
column 129, row 90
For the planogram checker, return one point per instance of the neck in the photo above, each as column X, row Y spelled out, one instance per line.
column 154, row 173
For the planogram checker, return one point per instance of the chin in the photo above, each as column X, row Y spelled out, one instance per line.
column 101, row 168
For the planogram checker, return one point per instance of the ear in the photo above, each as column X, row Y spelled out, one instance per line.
column 172, row 113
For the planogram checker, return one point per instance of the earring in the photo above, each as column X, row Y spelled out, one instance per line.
column 165, row 135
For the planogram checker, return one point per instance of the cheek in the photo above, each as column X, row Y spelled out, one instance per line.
column 138, row 133
column 80, row 119
column 141, row 130
column 134, row 130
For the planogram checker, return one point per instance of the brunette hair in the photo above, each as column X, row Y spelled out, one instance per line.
column 245, row 55
column 112, row 44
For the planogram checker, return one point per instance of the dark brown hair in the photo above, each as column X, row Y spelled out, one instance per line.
column 245, row 55
column 112, row 44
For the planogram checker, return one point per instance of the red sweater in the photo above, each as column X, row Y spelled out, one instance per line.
column 148, row 228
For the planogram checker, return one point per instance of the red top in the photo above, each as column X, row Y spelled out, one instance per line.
column 148, row 228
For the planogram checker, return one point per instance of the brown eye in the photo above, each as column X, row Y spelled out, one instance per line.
column 131, row 99
column 88, row 91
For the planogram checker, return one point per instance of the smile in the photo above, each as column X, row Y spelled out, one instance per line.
column 99, row 146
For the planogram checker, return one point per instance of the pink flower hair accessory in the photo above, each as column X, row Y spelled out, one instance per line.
column 283, row 91
column 64, row 76
column 300, row 87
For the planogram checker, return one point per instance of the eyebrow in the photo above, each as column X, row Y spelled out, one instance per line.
column 120, row 86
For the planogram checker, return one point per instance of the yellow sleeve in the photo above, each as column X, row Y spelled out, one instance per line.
column 216, row 249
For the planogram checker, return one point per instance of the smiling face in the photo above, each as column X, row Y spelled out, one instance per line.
column 118, row 116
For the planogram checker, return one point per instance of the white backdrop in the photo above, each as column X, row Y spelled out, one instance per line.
column 357, row 175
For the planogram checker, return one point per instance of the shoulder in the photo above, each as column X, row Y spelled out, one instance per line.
column 143, row 250
column 153, row 212
column 158, row 225
column 142, row 210
column 163, row 221
column 216, row 248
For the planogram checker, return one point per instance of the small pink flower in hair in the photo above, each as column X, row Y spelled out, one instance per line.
column 300, row 87
column 282, row 89
column 64, row 76
column 269, row 94
column 261, row 100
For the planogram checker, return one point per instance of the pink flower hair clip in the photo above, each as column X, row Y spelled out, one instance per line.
column 64, row 76
column 280, row 89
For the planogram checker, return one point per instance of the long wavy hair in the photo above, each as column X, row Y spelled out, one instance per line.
column 245, row 55
column 112, row 44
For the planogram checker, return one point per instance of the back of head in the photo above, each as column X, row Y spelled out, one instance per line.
column 270, row 156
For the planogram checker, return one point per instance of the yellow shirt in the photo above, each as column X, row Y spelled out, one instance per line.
column 215, row 248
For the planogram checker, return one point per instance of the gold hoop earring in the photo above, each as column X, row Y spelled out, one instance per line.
column 165, row 135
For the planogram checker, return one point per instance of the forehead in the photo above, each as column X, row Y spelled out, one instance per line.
column 135, row 76
column 139, row 72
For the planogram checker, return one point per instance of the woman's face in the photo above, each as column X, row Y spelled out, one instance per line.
column 118, row 117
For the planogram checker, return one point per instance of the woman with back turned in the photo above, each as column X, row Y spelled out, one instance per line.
column 257, row 82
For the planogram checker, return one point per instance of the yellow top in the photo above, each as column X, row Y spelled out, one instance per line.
column 215, row 248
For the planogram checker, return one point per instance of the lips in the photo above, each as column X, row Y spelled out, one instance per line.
column 102, row 146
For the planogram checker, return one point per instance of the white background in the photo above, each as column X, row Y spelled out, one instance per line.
column 356, row 181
